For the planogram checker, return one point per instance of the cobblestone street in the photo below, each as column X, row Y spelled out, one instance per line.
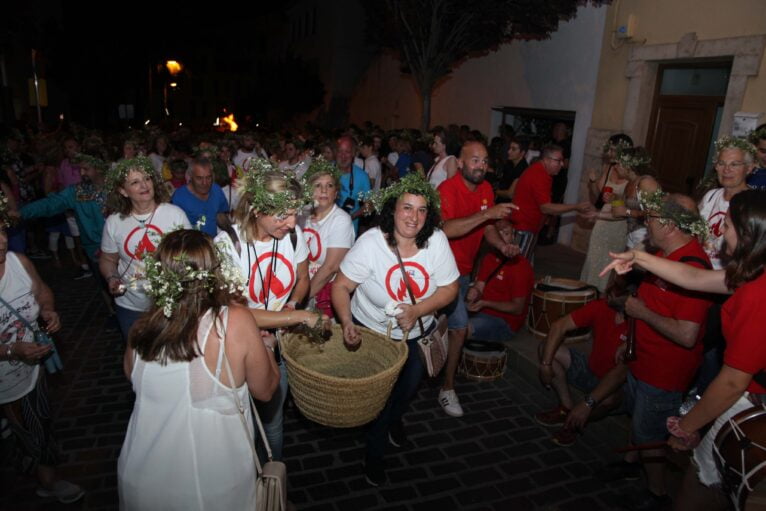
column 495, row 457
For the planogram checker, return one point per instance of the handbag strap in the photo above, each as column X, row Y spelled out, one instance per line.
column 18, row 315
column 608, row 171
column 409, row 289
column 240, row 407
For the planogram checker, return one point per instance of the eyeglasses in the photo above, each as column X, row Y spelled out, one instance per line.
column 733, row 165
column 557, row 160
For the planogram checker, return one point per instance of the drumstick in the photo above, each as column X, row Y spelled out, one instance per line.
column 642, row 447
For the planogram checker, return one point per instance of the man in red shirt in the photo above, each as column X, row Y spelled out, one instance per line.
column 668, row 331
column 469, row 212
column 499, row 298
column 600, row 375
column 533, row 197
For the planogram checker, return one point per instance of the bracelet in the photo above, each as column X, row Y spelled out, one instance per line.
column 546, row 364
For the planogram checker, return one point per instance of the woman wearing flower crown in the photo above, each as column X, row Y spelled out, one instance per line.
column 141, row 215
column 610, row 231
column 270, row 251
column 408, row 230
column 328, row 230
column 741, row 380
column 186, row 447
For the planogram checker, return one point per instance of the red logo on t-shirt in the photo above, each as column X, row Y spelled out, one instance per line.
column 144, row 244
column 716, row 223
column 314, row 242
column 276, row 272
column 415, row 273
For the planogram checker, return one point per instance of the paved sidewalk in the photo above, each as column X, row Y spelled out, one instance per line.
column 495, row 457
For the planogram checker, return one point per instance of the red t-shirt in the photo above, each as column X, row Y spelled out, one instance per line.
column 459, row 202
column 607, row 335
column 515, row 279
column 659, row 361
column 742, row 320
column 532, row 191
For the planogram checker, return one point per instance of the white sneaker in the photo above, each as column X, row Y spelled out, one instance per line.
column 64, row 491
column 451, row 404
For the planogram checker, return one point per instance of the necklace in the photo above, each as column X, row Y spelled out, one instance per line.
column 145, row 221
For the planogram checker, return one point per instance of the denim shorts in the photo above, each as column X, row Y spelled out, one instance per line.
column 649, row 408
column 579, row 374
column 457, row 314
column 485, row 327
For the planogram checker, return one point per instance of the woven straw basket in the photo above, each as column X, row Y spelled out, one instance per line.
column 339, row 388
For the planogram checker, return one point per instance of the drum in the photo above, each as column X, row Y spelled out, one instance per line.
column 740, row 454
column 483, row 361
column 554, row 298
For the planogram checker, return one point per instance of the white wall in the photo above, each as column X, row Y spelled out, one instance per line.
column 558, row 73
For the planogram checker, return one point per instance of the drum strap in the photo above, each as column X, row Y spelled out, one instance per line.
column 695, row 259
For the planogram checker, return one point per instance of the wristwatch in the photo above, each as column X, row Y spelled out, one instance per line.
column 589, row 401
column 627, row 213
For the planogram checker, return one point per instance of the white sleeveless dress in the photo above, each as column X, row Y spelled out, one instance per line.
column 185, row 447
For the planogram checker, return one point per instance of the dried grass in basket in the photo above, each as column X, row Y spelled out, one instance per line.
column 339, row 388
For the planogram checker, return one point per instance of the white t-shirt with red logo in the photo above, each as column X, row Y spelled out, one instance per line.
column 713, row 208
column 373, row 265
column 333, row 231
column 132, row 235
column 270, row 267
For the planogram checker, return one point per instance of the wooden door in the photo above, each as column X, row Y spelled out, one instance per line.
column 679, row 136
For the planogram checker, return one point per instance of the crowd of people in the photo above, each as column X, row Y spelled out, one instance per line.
column 205, row 245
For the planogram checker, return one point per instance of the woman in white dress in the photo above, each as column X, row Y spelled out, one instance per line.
column 328, row 231
column 141, row 216
column 186, row 446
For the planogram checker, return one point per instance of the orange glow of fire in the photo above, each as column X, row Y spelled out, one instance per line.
column 229, row 120
column 173, row 66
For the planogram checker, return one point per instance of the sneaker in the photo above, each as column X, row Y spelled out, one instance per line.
column 553, row 417
column 619, row 470
column 451, row 404
column 396, row 435
column 83, row 274
column 564, row 437
column 64, row 491
column 374, row 472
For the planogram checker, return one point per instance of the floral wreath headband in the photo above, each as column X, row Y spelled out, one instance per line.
column 617, row 146
column 630, row 159
column 116, row 176
column 259, row 170
column 727, row 142
column 92, row 161
column 656, row 204
column 166, row 285
column 411, row 183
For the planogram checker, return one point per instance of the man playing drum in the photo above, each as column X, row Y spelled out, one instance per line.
column 600, row 375
column 499, row 298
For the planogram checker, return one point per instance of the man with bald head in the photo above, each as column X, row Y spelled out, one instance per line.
column 668, row 328
column 353, row 180
column 469, row 213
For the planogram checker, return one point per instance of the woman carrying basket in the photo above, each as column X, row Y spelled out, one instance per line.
column 406, row 242
column 270, row 251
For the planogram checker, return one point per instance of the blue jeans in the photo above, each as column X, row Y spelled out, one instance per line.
column 486, row 327
column 456, row 311
column 649, row 408
column 126, row 318
column 272, row 414
column 404, row 390
column 578, row 372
